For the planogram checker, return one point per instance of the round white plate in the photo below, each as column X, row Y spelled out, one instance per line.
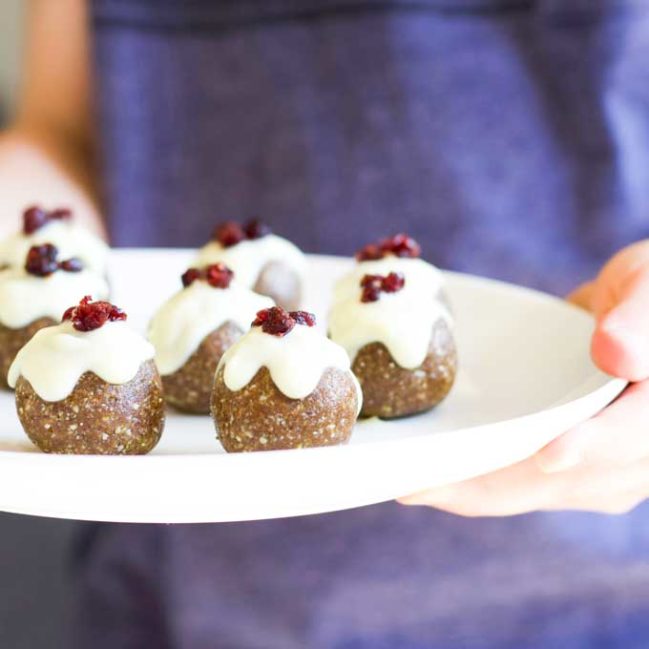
column 525, row 378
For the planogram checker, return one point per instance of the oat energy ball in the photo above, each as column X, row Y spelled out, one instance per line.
column 400, row 341
column 284, row 385
column 35, row 295
column 58, row 228
column 260, row 260
column 192, row 330
column 89, row 385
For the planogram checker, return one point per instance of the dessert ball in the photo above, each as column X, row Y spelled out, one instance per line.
column 59, row 228
column 401, row 254
column 192, row 330
column 89, row 385
column 284, row 385
column 35, row 295
column 400, row 343
column 261, row 261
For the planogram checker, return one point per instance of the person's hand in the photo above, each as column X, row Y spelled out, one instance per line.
column 603, row 464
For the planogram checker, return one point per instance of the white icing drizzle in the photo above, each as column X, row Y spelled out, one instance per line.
column 71, row 239
column 402, row 321
column 295, row 361
column 25, row 298
column 426, row 277
column 56, row 357
column 248, row 258
column 182, row 322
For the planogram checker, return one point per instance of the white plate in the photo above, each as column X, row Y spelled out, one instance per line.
column 525, row 377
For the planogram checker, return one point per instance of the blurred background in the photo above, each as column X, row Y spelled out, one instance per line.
column 34, row 588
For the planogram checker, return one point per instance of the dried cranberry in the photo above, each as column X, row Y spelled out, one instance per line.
column 72, row 265
column 218, row 275
column 61, row 213
column 190, row 276
column 373, row 285
column 370, row 294
column 274, row 321
column 400, row 245
column 303, row 318
column 41, row 260
column 89, row 315
column 36, row 217
column 369, row 253
column 255, row 229
column 392, row 283
column 371, row 280
column 229, row 234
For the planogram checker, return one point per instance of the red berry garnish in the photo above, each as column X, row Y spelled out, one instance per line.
column 255, row 229
column 41, row 260
column 216, row 275
column 400, row 245
column 374, row 285
column 274, row 321
column 89, row 315
column 370, row 252
column 303, row 318
column 190, row 276
column 33, row 219
column 371, row 280
column 61, row 213
column 229, row 234
column 393, row 282
column 36, row 217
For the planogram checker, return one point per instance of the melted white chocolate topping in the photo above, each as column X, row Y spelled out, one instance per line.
column 421, row 275
column 296, row 361
column 56, row 357
column 71, row 239
column 181, row 323
column 25, row 298
column 248, row 258
column 403, row 321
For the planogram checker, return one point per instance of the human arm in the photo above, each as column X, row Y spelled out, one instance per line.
column 47, row 155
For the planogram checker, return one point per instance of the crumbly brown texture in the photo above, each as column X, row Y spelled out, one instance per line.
column 391, row 391
column 98, row 417
column 12, row 340
column 281, row 283
column 261, row 418
column 190, row 387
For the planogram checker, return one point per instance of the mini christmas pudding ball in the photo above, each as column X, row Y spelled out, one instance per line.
column 284, row 385
column 401, row 344
column 192, row 330
column 34, row 295
column 89, row 385
column 59, row 228
column 260, row 260
column 399, row 254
